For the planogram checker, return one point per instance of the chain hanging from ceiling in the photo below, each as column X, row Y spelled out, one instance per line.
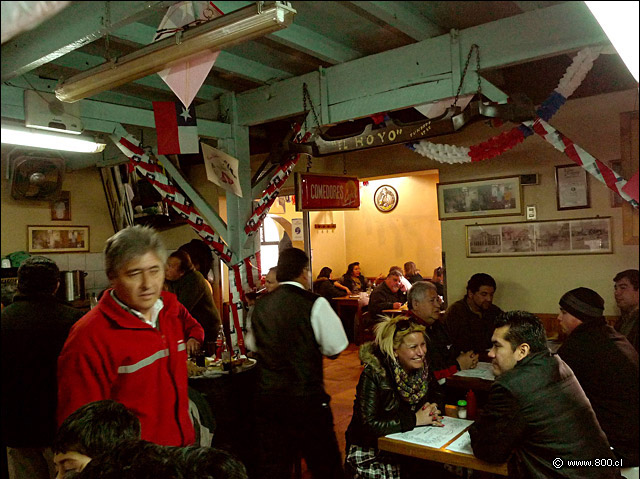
column 307, row 97
column 464, row 72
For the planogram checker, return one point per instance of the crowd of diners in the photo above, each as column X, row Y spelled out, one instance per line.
column 105, row 394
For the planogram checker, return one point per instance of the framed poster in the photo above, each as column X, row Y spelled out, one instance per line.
column 555, row 237
column 572, row 187
column 61, row 207
column 58, row 239
column 478, row 198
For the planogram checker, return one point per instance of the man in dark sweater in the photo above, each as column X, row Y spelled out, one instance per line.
column 34, row 329
column 387, row 295
column 293, row 329
column 606, row 365
column 627, row 298
column 424, row 305
column 470, row 321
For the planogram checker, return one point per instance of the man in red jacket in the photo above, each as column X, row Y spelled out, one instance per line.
column 132, row 347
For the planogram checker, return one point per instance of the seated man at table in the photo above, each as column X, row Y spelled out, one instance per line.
column 405, row 284
column 424, row 306
column 470, row 321
column 537, row 416
column 627, row 298
column 386, row 295
column 606, row 365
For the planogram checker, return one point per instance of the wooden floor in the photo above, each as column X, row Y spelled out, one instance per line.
column 340, row 379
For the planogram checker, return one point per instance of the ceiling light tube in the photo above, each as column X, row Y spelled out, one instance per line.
column 223, row 32
column 16, row 135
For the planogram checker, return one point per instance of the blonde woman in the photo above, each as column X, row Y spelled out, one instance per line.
column 396, row 392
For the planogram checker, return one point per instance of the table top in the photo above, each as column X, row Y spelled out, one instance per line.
column 353, row 299
column 441, row 454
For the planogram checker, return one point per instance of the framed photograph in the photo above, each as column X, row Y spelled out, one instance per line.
column 572, row 187
column 385, row 198
column 554, row 237
column 58, row 239
column 61, row 207
column 478, row 198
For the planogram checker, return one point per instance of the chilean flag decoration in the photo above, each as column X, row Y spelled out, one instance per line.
column 176, row 128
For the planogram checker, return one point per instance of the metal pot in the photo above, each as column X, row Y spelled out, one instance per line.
column 72, row 285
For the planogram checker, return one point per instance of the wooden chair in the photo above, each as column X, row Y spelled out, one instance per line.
column 363, row 328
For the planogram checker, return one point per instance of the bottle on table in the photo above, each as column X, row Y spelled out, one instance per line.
column 462, row 409
column 223, row 351
column 471, row 404
column 93, row 301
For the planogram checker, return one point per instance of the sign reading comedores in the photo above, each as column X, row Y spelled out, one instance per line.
column 320, row 192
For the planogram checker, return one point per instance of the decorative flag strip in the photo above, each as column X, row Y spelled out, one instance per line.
column 573, row 77
column 270, row 193
column 176, row 128
column 150, row 170
column 594, row 166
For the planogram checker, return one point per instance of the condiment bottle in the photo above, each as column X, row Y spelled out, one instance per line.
column 223, row 350
column 471, row 404
column 462, row 409
column 93, row 301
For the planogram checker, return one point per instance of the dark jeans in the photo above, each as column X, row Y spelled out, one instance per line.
column 292, row 427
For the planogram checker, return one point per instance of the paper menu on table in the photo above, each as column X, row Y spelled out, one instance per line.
column 462, row 444
column 434, row 436
column 482, row 371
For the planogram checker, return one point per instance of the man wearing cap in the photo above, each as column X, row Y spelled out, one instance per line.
column 606, row 366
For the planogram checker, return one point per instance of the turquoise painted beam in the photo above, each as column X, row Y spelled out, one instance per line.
column 239, row 209
column 422, row 72
column 314, row 44
column 536, row 34
column 78, row 24
column 398, row 16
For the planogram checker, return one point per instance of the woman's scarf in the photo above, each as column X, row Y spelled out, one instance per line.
column 411, row 386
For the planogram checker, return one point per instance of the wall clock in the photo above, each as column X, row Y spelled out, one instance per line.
column 385, row 198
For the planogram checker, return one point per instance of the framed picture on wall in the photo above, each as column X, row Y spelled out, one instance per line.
column 61, row 207
column 572, row 187
column 478, row 198
column 57, row 239
column 535, row 238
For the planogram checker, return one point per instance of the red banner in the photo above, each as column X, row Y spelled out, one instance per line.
column 320, row 192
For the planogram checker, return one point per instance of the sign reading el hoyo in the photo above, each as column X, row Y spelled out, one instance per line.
column 319, row 192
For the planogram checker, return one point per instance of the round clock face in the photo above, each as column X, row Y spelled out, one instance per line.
column 385, row 198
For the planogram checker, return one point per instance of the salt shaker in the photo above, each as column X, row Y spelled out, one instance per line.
column 462, row 409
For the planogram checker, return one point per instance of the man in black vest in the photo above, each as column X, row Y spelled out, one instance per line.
column 293, row 328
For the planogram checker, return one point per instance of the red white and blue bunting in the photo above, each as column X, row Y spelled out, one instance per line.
column 573, row 77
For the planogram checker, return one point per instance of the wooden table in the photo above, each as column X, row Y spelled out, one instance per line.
column 441, row 455
column 354, row 302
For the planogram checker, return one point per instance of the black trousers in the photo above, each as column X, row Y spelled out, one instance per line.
column 293, row 427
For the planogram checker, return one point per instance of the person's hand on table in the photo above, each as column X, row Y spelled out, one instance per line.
column 193, row 346
column 468, row 360
column 429, row 414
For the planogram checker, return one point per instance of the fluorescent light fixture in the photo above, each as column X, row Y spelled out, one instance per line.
column 223, row 32
column 16, row 135
column 619, row 20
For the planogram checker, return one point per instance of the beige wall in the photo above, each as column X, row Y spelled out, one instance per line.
column 88, row 207
column 410, row 232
